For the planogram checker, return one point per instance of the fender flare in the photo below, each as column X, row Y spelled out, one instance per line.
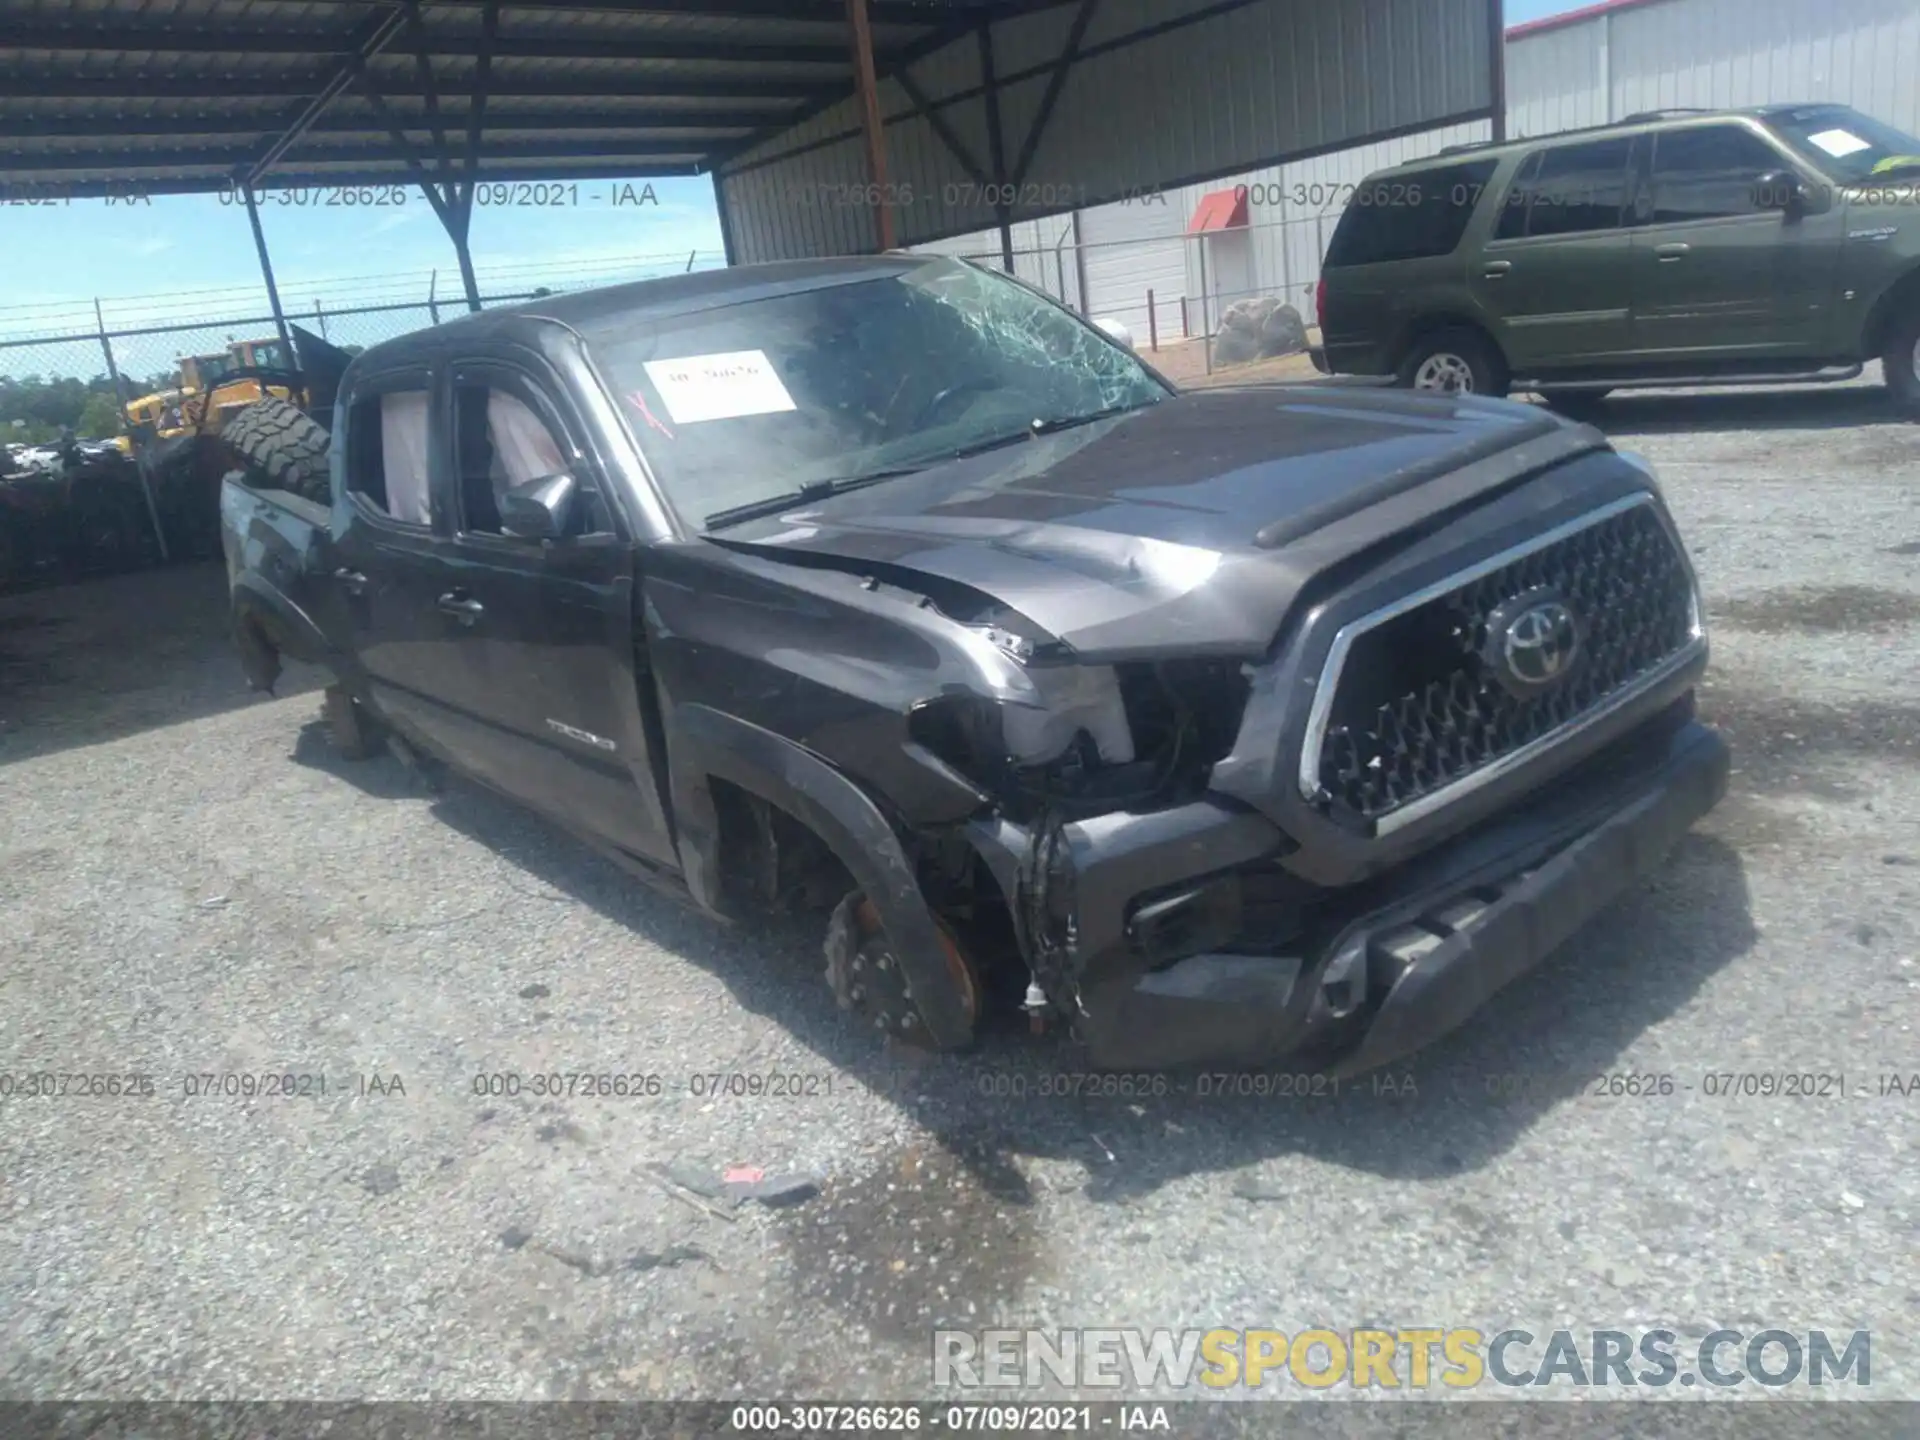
column 704, row 744
column 266, row 622
column 1411, row 330
column 1902, row 290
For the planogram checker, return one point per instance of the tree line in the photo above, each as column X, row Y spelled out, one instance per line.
column 34, row 409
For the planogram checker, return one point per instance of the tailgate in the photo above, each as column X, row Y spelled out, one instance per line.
column 276, row 546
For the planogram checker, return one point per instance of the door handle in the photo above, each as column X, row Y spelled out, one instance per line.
column 355, row 582
column 1496, row 268
column 462, row 606
column 1669, row 253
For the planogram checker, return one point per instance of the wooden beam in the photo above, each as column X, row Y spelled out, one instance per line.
column 869, row 91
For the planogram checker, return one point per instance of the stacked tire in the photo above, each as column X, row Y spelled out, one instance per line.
column 280, row 447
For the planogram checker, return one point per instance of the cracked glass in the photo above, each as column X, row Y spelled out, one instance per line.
column 839, row 381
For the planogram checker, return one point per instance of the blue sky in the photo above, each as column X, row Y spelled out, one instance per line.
column 1519, row 12
column 126, row 253
column 202, row 243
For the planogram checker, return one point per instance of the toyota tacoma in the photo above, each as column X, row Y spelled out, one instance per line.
column 1210, row 727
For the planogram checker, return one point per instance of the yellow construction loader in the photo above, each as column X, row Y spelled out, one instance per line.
column 185, row 438
column 209, row 389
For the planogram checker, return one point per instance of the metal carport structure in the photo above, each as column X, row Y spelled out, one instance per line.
column 828, row 125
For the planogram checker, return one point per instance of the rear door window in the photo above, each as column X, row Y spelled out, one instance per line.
column 1410, row 217
column 1709, row 172
column 386, row 459
column 1569, row 190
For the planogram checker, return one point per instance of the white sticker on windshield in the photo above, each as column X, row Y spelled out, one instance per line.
column 718, row 387
column 1838, row 143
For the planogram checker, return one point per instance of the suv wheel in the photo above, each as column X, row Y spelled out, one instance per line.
column 1902, row 363
column 1455, row 362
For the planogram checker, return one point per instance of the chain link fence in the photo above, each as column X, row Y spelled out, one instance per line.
column 1176, row 292
column 74, row 509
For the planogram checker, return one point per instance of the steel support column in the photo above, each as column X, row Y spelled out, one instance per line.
column 724, row 216
column 1497, row 67
column 464, row 209
column 869, row 91
column 120, row 414
column 996, row 144
column 266, row 268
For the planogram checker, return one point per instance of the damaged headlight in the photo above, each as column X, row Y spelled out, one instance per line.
column 1077, row 710
column 1100, row 738
column 1073, row 698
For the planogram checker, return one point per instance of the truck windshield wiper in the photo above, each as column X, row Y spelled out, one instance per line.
column 1053, row 424
column 1043, row 425
column 799, row 495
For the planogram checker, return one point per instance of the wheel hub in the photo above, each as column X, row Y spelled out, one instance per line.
column 868, row 981
column 1445, row 372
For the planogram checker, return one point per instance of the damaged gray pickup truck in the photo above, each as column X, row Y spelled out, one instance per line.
column 1215, row 727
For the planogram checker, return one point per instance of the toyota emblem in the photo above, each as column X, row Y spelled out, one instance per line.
column 1533, row 642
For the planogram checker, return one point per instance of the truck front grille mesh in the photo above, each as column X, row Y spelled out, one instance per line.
column 1418, row 708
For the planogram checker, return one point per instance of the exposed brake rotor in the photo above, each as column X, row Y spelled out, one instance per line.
column 868, row 980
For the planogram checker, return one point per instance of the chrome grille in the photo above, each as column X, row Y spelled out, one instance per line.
column 1410, row 706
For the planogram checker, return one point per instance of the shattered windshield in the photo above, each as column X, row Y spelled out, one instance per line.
column 1847, row 145
column 748, row 402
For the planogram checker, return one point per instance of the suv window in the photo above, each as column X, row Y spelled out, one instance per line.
column 1708, row 172
column 501, row 441
column 1410, row 217
column 1568, row 190
column 387, row 454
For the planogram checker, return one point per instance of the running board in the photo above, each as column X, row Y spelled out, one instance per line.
column 1825, row 376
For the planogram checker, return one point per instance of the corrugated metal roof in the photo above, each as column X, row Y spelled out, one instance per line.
column 182, row 95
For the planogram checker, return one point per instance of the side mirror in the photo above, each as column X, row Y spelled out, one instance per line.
column 1782, row 190
column 538, row 509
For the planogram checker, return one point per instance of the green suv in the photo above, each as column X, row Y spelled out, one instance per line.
column 1765, row 246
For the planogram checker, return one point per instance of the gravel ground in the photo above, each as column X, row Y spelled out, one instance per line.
column 191, row 884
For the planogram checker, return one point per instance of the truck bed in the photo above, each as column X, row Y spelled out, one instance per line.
column 276, row 546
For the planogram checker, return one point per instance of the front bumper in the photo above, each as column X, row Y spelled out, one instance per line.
column 1392, row 965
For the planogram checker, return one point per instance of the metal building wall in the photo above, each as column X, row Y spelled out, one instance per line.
column 1159, row 93
column 1043, row 253
column 1717, row 54
column 1294, row 207
column 1650, row 55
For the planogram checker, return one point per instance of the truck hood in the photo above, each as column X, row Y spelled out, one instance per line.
column 1189, row 526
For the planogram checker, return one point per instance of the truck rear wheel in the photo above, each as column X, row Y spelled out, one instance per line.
column 281, row 447
column 1902, row 363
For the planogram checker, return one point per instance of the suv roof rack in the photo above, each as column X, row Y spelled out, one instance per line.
column 1642, row 116
column 1639, row 117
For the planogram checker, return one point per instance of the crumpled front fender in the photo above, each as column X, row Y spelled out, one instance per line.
column 704, row 744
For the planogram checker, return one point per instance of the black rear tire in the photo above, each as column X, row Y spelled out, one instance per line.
column 1902, row 363
column 280, row 447
column 1456, row 360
